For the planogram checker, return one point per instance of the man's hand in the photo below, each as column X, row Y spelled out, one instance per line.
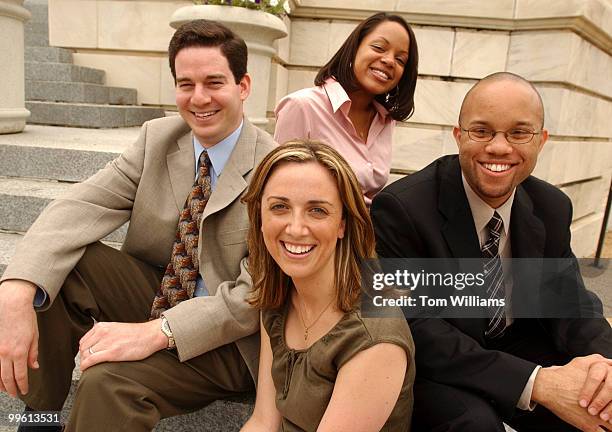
column 596, row 393
column 113, row 341
column 558, row 389
column 18, row 335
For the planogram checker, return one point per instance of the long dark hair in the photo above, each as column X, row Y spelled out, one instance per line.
column 400, row 104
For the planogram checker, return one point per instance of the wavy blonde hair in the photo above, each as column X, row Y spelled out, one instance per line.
column 270, row 284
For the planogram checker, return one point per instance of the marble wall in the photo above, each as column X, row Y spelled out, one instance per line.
column 564, row 47
column 127, row 39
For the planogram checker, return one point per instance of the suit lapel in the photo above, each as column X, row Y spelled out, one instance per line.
column 231, row 182
column 181, row 168
column 459, row 230
column 527, row 236
column 527, row 231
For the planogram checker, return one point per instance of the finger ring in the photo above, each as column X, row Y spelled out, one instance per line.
column 91, row 351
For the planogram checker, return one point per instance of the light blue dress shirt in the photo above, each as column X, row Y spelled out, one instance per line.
column 218, row 155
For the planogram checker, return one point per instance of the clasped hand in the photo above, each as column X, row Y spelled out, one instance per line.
column 596, row 394
column 580, row 392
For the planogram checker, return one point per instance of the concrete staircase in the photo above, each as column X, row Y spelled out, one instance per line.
column 35, row 167
column 39, row 164
column 61, row 93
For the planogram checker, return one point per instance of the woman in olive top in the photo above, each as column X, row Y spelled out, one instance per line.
column 323, row 366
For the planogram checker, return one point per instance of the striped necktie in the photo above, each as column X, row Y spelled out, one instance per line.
column 179, row 281
column 494, row 277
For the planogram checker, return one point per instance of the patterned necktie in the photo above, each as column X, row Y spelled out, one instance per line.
column 179, row 281
column 494, row 277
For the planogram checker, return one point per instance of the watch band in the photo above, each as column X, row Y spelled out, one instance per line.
column 165, row 328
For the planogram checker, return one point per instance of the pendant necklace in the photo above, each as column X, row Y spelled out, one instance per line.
column 306, row 328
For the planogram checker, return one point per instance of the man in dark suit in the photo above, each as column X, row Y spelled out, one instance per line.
column 160, row 348
column 473, row 374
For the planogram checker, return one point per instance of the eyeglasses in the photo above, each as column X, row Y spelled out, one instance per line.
column 513, row 136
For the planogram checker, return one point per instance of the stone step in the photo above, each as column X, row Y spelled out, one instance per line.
column 36, row 39
column 90, row 115
column 64, row 165
column 220, row 416
column 57, row 91
column 36, row 27
column 22, row 200
column 38, row 9
column 61, row 153
column 47, row 54
column 8, row 241
column 64, row 72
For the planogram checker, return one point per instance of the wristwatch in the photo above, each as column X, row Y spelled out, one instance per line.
column 165, row 328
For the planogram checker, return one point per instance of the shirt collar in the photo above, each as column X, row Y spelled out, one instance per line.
column 220, row 152
column 337, row 95
column 339, row 98
column 482, row 212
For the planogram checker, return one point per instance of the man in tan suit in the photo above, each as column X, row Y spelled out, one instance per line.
column 137, row 370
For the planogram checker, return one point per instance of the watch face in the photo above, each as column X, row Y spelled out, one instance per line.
column 165, row 327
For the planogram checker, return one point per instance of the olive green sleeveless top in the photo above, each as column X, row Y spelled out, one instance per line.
column 304, row 379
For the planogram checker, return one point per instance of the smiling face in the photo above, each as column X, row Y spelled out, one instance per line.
column 207, row 95
column 494, row 169
column 381, row 58
column 301, row 220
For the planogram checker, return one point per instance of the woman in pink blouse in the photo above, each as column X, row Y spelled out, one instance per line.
column 358, row 96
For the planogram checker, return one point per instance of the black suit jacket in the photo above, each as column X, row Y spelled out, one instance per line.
column 427, row 215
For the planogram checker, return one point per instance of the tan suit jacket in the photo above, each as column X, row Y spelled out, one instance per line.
column 147, row 185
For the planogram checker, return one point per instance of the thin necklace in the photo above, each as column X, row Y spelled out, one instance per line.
column 306, row 328
column 363, row 134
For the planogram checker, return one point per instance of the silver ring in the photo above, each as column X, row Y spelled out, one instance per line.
column 91, row 351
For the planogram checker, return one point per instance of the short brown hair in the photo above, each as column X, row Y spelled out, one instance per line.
column 401, row 104
column 207, row 33
column 270, row 283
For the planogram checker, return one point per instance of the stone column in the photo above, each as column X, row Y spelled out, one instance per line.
column 12, row 92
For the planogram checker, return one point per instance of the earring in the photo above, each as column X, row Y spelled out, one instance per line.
column 393, row 95
column 392, row 98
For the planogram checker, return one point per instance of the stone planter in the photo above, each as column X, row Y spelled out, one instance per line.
column 259, row 30
column 12, row 93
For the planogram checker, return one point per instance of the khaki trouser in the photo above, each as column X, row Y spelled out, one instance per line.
column 109, row 285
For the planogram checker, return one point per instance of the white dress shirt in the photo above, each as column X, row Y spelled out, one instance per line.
column 482, row 214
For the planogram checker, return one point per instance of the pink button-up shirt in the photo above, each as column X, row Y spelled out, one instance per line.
column 321, row 113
